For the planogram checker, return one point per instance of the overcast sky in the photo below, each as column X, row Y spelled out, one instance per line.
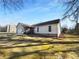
column 34, row 11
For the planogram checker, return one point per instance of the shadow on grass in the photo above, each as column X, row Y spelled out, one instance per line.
column 41, row 53
column 15, row 55
column 42, row 36
column 3, row 38
column 35, row 41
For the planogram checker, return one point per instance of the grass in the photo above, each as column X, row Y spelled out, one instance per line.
column 67, row 37
column 38, row 50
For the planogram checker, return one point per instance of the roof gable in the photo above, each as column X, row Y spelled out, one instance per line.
column 23, row 25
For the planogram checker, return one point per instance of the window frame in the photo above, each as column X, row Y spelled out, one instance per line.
column 49, row 28
column 37, row 29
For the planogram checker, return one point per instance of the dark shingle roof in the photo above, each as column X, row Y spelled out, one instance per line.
column 48, row 22
column 24, row 25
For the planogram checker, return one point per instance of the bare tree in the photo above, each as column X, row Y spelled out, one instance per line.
column 72, row 10
column 11, row 4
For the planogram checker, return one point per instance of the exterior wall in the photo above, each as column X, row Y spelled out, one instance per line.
column 44, row 29
column 8, row 28
column 19, row 30
column 55, row 29
column 11, row 29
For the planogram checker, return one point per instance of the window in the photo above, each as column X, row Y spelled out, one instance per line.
column 37, row 29
column 49, row 28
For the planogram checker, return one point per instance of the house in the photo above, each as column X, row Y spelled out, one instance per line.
column 11, row 28
column 23, row 29
column 48, row 28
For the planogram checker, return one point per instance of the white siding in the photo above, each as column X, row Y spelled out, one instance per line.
column 44, row 29
column 11, row 28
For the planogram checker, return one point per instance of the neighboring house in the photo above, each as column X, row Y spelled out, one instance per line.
column 11, row 28
column 48, row 28
column 23, row 29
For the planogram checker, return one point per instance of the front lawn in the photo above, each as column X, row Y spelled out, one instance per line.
column 24, row 47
